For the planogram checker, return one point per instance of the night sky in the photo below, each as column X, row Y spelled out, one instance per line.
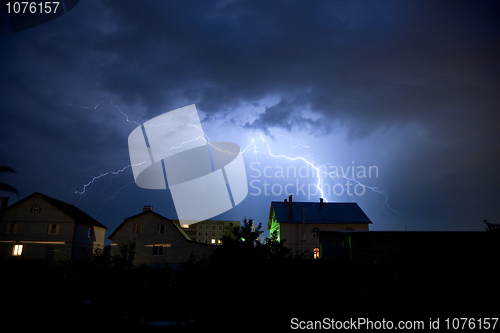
column 410, row 88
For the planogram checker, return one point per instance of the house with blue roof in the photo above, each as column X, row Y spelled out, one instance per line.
column 299, row 223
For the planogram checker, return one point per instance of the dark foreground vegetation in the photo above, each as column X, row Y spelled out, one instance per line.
column 245, row 284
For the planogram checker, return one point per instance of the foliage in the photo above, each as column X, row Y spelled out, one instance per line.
column 127, row 254
column 4, row 186
column 491, row 226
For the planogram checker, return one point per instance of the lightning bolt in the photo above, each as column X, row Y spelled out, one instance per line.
column 320, row 172
column 95, row 178
column 114, row 105
column 113, row 196
column 251, row 147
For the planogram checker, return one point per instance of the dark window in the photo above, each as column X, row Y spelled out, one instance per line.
column 35, row 209
column 157, row 250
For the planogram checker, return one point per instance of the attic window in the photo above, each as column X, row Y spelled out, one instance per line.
column 35, row 208
column 53, row 229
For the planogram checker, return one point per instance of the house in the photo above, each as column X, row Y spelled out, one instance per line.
column 39, row 226
column 298, row 223
column 157, row 239
column 208, row 231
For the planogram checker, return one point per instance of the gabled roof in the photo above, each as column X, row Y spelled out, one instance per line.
column 74, row 212
column 330, row 212
column 148, row 212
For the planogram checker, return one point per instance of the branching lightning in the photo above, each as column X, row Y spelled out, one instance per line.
column 320, row 171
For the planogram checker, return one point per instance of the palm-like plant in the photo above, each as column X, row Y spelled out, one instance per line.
column 7, row 187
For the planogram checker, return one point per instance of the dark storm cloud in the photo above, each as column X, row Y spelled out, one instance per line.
column 362, row 65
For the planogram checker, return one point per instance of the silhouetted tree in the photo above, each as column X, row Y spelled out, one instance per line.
column 274, row 249
column 4, row 186
column 491, row 226
column 127, row 254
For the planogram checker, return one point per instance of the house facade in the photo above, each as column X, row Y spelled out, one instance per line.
column 208, row 231
column 299, row 223
column 42, row 227
column 157, row 239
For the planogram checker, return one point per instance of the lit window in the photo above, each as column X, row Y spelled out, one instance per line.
column 213, row 241
column 316, row 253
column 219, row 241
column 17, row 250
column 185, row 226
column 35, row 209
column 137, row 228
column 157, row 250
column 53, row 229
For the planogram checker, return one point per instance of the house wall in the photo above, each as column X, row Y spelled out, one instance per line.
column 176, row 248
column 32, row 231
column 210, row 231
column 300, row 237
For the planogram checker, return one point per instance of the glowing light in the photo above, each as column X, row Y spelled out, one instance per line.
column 18, row 250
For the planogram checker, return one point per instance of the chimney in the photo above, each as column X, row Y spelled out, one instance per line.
column 3, row 203
column 285, row 202
column 147, row 208
column 290, row 208
column 321, row 203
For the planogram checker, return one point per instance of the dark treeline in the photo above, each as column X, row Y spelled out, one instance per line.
column 245, row 283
